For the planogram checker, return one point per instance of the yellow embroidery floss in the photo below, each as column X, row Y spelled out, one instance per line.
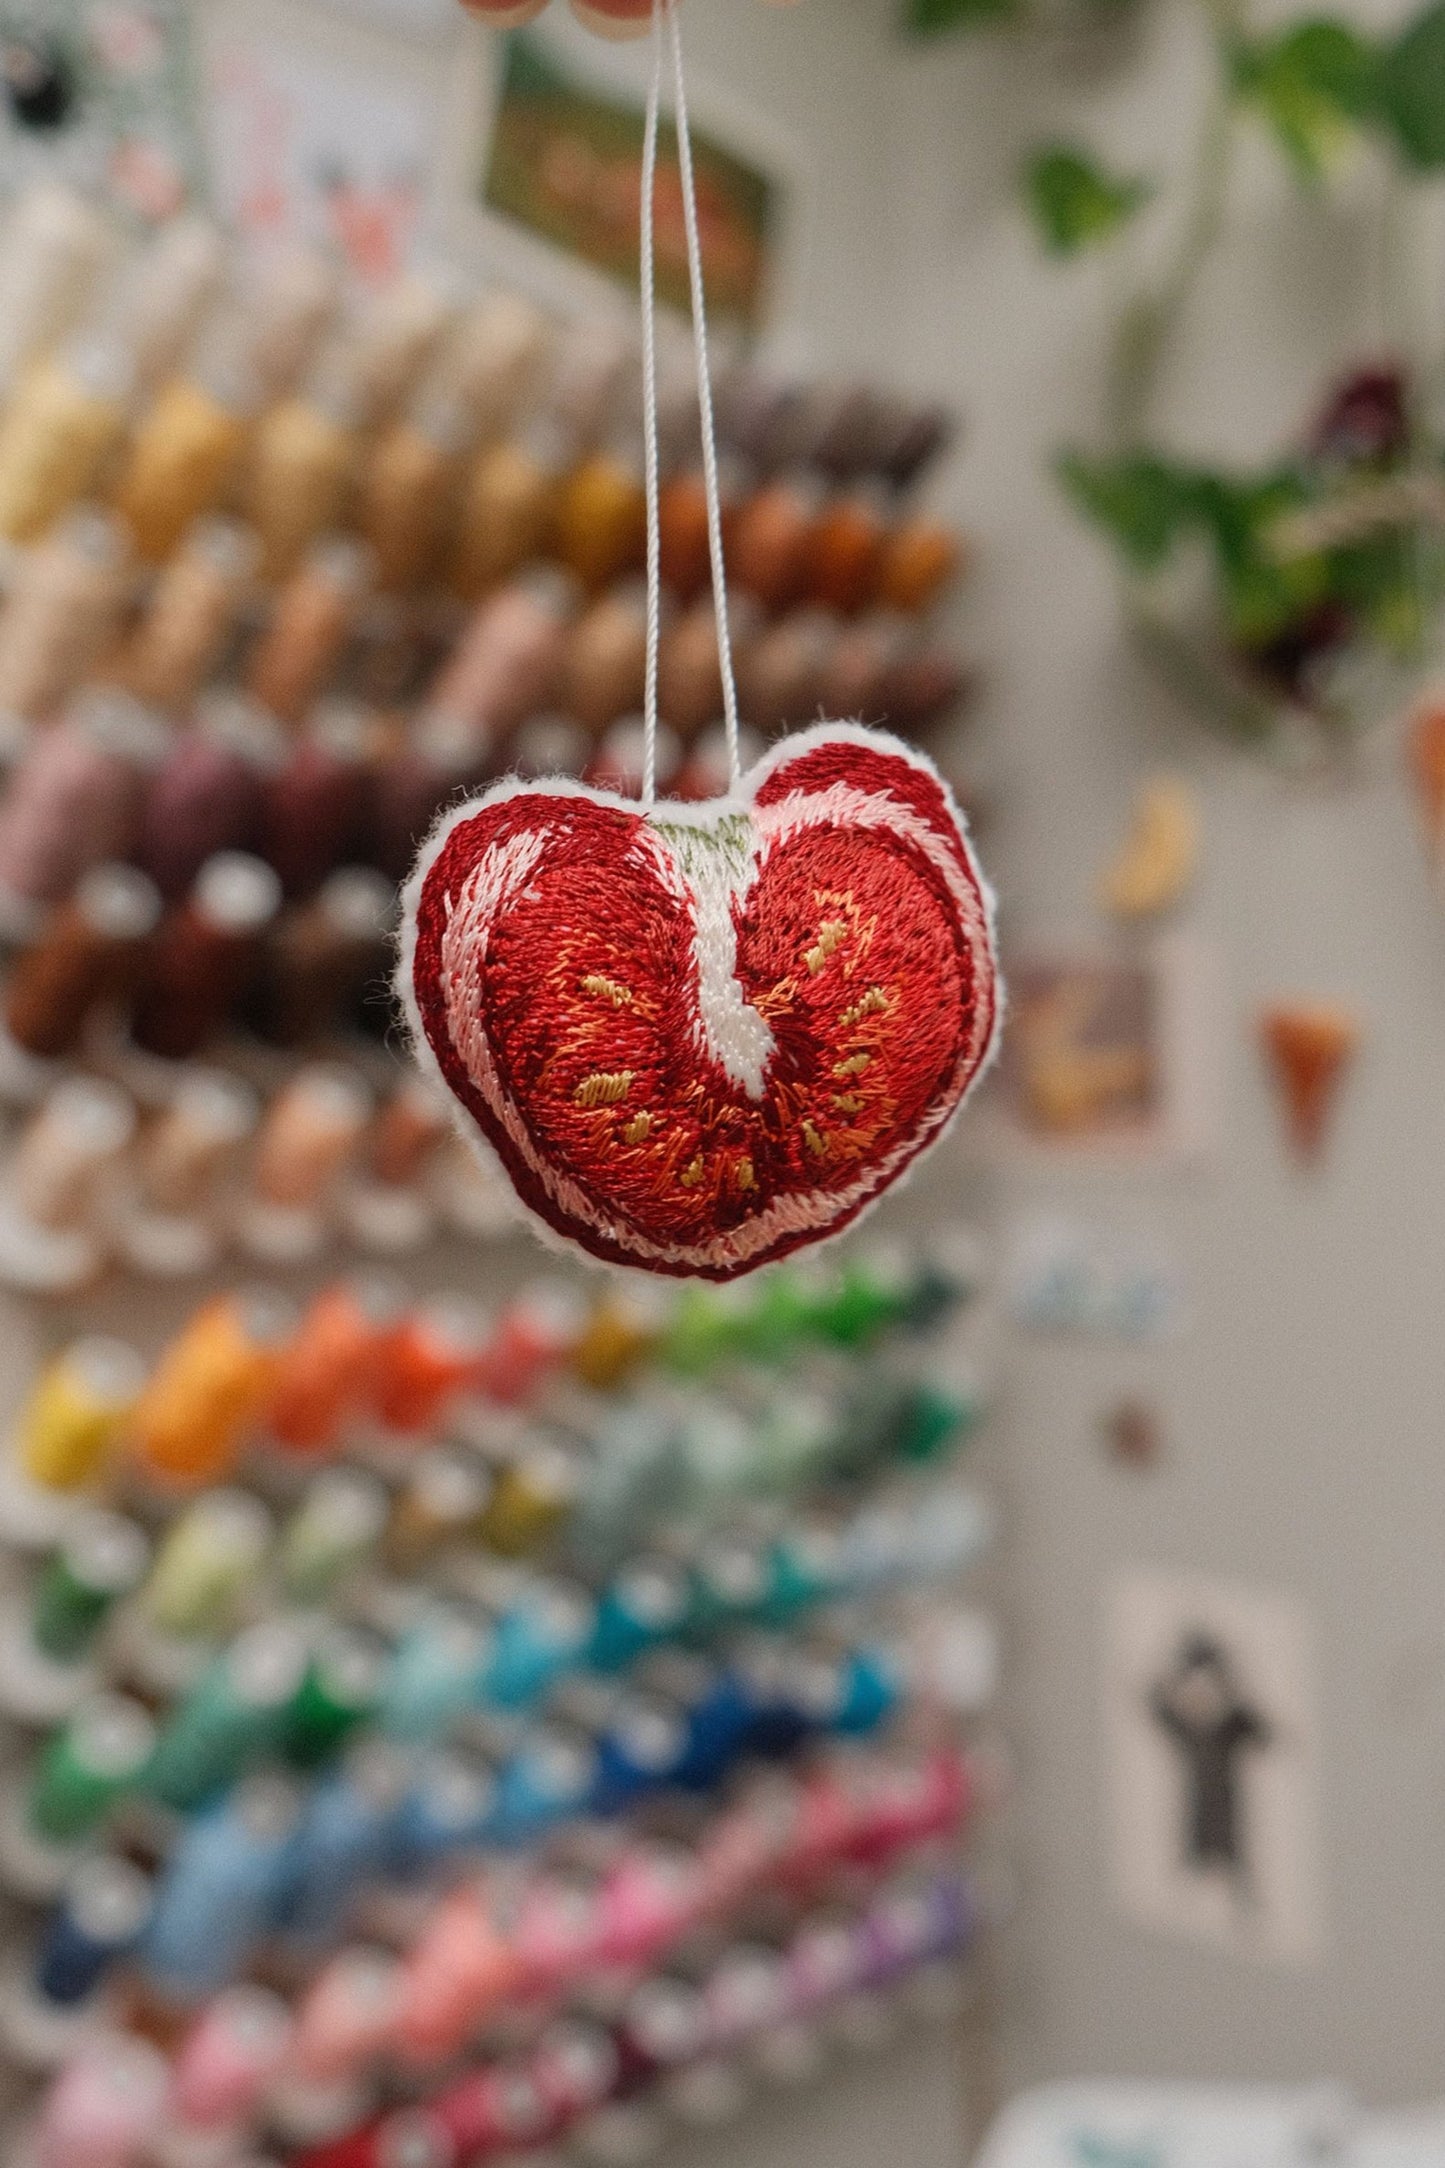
column 68, row 1428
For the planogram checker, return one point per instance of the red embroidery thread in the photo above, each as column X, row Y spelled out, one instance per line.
column 700, row 1037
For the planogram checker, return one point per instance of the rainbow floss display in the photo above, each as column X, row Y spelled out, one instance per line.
column 445, row 1727
column 445, row 1787
column 699, row 1038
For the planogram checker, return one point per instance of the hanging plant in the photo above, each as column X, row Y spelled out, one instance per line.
column 1292, row 601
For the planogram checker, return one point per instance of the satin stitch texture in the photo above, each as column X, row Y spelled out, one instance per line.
column 701, row 1037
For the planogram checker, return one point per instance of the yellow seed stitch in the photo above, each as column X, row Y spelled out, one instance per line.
column 873, row 1003
column 602, row 1089
column 744, row 1173
column 637, row 1129
column 607, row 989
column 848, row 1102
column 831, row 935
column 853, row 1066
column 814, row 1139
column 691, row 1174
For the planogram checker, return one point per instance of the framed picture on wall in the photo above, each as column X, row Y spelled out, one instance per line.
column 1212, row 1754
column 565, row 164
column 547, row 191
column 325, row 131
column 1109, row 1057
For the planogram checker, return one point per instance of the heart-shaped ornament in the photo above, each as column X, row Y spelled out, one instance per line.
column 701, row 1036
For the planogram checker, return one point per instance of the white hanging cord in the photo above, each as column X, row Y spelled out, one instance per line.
column 666, row 11
column 649, row 417
column 704, row 392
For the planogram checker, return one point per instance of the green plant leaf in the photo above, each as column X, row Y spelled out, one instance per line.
column 1392, row 581
column 1074, row 202
column 1261, row 592
column 1141, row 501
column 935, row 18
column 1314, row 84
column 1146, row 504
column 1411, row 89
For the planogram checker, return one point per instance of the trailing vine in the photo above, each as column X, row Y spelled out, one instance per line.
column 1293, row 600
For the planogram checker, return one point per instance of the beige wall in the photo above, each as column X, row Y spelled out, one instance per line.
column 1305, row 1408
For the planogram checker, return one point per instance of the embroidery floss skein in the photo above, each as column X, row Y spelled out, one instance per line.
column 699, row 1037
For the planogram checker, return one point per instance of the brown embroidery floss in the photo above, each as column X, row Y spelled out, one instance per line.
column 690, row 686
column 203, row 956
column 771, row 541
column 508, row 506
column 780, row 675
column 909, row 443
column 386, row 1208
column 407, row 493
column 83, row 957
column 919, row 561
column 408, row 1130
column 190, row 615
column 855, row 678
column 412, row 783
column 682, row 521
column 845, row 550
column 207, row 795
column 314, row 612
column 312, row 809
column 604, row 662
column 601, row 519
column 921, row 687
column 321, row 957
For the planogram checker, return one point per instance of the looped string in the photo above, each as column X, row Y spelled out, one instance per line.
column 665, row 20
column 649, row 419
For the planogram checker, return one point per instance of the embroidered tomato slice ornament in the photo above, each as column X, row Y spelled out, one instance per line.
column 699, row 1037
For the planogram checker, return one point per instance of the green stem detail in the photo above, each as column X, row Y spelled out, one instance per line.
column 1149, row 319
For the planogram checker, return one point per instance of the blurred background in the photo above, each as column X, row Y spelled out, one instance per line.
column 1008, row 1652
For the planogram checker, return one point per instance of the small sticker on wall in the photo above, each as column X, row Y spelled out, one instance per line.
column 1065, row 1275
column 1211, row 1735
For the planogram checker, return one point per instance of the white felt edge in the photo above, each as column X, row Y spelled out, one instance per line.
column 678, row 812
